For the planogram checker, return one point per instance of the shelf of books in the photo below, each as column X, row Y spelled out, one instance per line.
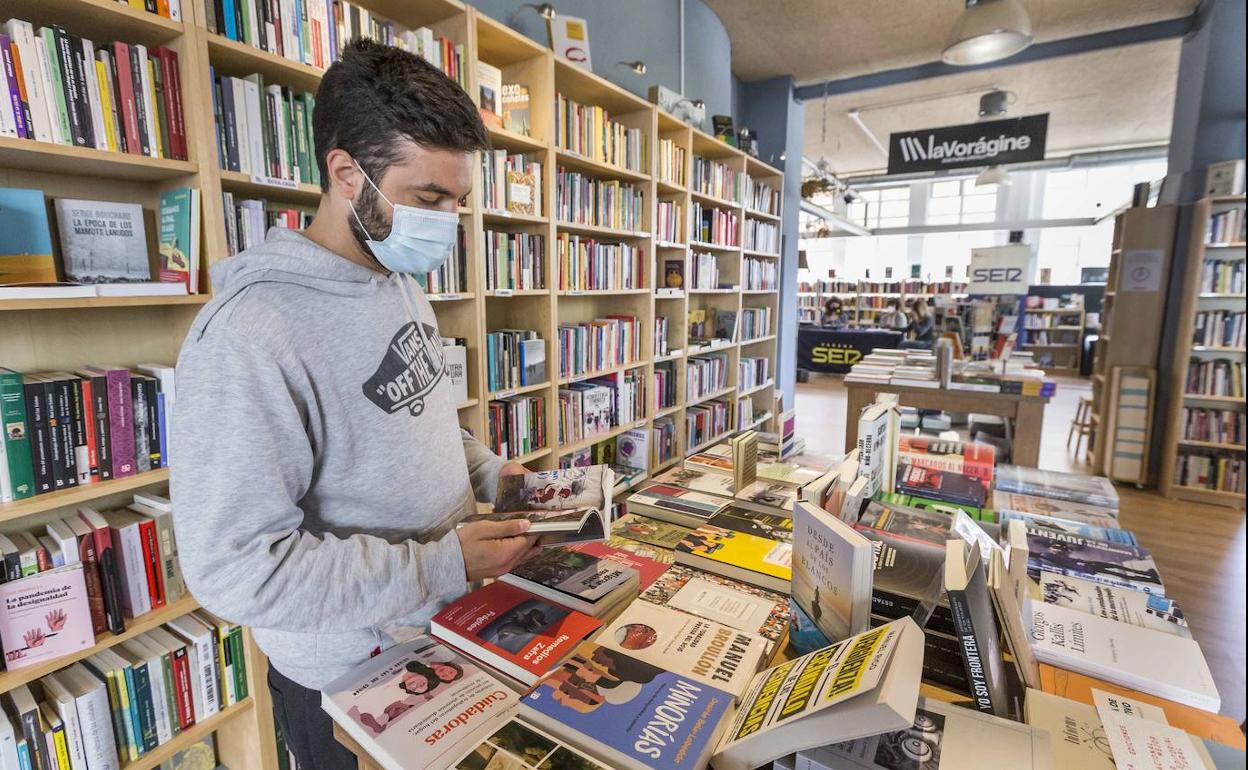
column 1053, row 331
column 1203, row 455
column 863, row 301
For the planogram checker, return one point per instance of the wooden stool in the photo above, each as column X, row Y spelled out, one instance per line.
column 1082, row 425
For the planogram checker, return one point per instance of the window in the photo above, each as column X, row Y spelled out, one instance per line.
column 886, row 207
column 960, row 202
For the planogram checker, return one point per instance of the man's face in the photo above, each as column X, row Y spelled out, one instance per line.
column 423, row 178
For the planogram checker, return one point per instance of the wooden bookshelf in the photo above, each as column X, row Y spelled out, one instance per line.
column 1131, row 321
column 68, row 333
column 1063, row 337
column 1195, row 299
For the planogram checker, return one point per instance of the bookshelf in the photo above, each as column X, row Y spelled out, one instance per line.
column 50, row 334
column 1131, row 321
column 1055, row 333
column 1200, row 304
column 864, row 300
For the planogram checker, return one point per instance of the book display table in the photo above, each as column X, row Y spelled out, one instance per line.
column 1027, row 412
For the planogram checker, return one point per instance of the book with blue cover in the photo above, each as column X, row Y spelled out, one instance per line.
column 1039, row 522
column 25, row 240
column 627, row 713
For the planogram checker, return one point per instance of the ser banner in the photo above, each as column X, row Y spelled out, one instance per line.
column 837, row 350
column 992, row 143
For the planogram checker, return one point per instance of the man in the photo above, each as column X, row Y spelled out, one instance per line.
column 320, row 470
column 892, row 318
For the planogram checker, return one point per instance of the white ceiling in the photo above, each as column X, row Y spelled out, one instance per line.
column 816, row 40
column 1116, row 97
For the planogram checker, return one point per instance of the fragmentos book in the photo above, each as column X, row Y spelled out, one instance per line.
column 628, row 714
column 417, row 705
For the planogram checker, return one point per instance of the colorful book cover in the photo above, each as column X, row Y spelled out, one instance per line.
column 804, row 636
column 419, row 697
column 769, row 525
column 711, row 653
column 707, row 482
column 635, row 714
column 757, row 554
column 648, row 568
column 44, row 616
column 832, row 573
column 1063, row 509
column 1121, row 604
column 25, row 240
column 1112, row 564
column 566, row 504
column 179, row 237
column 574, row 573
column 530, row 634
column 1056, row 525
column 679, row 500
column 102, row 241
column 937, row 506
column 16, row 436
column 652, row 532
column 722, row 599
column 945, row 486
column 966, row 457
column 1070, row 487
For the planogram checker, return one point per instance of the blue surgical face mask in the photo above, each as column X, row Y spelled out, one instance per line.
column 420, row 240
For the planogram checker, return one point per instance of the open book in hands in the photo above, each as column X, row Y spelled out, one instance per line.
column 564, row 506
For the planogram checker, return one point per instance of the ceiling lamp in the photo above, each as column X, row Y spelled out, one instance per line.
column 992, row 175
column 987, row 31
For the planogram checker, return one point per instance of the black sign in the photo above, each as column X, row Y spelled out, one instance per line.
column 992, row 143
column 836, row 350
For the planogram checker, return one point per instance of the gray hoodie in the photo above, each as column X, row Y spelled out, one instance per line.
column 319, row 468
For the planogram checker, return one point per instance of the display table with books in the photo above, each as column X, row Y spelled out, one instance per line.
column 1026, row 412
column 913, row 604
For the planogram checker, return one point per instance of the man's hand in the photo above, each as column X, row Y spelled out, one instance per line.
column 492, row 548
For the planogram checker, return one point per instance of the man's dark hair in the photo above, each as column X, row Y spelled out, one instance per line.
column 376, row 95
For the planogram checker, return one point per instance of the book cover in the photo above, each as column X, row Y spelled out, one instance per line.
column 1125, row 654
column 516, row 109
column 44, row 616
column 723, row 600
column 1038, row 522
column 875, row 448
column 697, row 480
column 768, row 496
column 519, row 746
column 455, row 358
column 179, row 237
column 25, row 240
column 714, row 654
column 942, row 485
column 533, row 358
column 683, row 505
column 1138, row 608
column 966, row 457
column 490, row 84
column 418, row 704
column 726, row 325
column 648, row 568
column 628, row 713
column 525, row 635
column 804, row 636
column 572, row 574
column 16, row 435
column 632, row 449
column 522, row 193
column 1077, row 735
column 1112, row 564
column 1055, row 485
column 755, row 559
column 1063, row 509
column 966, row 587
column 652, row 532
column 908, row 578
column 832, row 573
column 772, row 526
column 102, row 241
column 564, row 505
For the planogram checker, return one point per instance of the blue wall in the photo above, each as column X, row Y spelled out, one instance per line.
column 649, row 30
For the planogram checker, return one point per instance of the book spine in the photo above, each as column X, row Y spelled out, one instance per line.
column 95, row 94
column 123, row 73
column 121, row 422
column 159, row 679
column 145, row 706
column 72, row 88
column 138, row 92
column 229, row 130
column 56, row 449
column 225, row 666
column 87, row 405
column 59, row 746
column 33, row 82
column 49, row 67
column 173, row 88
column 72, row 389
column 207, row 681
column 981, row 693
column 129, row 708
column 153, row 422
column 16, row 436
column 161, row 122
column 33, row 732
column 14, row 115
column 110, row 579
column 131, row 566
column 63, row 412
column 240, row 663
column 99, row 410
column 99, row 740
column 162, row 426
column 153, row 570
column 183, row 687
column 95, row 586
column 20, row 62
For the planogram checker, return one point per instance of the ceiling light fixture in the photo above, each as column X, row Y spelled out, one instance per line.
column 638, row 67
column 992, row 175
column 987, row 31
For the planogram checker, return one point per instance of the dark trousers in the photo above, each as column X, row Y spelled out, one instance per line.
column 309, row 731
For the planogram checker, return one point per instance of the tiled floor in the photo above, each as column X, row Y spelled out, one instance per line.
column 1200, row 549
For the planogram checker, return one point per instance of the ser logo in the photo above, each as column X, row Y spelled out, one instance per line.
column 412, row 365
column 830, row 354
column 996, row 274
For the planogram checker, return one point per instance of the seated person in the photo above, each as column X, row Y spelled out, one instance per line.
column 834, row 314
column 892, row 318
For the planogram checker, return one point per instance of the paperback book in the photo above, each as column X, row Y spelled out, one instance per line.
column 676, row 505
column 723, row 600
column 942, row 485
column 1137, row 608
column 652, row 532
column 417, row 705
column 576, row 579
column 714, row 654
column 1076, row 733
column 1070, row 487
column 565, row 505
column 102, row 241
column 1097, row 515
column 1111, row 564
column 832, row 573
column 751, row 558
column 1038, row 522
column 626, row 713
column 706, row 482
column 44, row 616
column 624, row 552
column 970, row 604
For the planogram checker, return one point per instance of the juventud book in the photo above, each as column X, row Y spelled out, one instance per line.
column 417, row 705
column 626, row 713
column 864, row 685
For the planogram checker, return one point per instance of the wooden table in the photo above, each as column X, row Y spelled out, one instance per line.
column 1027, row 412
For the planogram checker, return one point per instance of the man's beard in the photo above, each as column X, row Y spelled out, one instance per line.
column 376, row 224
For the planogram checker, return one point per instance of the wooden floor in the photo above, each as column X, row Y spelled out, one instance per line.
column 1200, row 549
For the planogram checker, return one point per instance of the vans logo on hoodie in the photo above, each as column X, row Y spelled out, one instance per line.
column 411, row 367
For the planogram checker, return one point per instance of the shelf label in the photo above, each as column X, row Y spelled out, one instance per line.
column 444, row 297
column 273, row 181
column 504, row 292
column 505, row 393
column 575, row 293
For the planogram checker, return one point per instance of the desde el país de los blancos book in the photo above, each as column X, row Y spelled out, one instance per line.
column 942, row 736
column 515, row 632
column 1165, row 665
column 1124, row 605
column 723, row 600
column 575, row 579
column 417, row 705
column 694, row 647
column 832, row 573
column 565, row 505
column 626, row 713
column 861, row 686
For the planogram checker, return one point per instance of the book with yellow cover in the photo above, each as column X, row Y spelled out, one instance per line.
column 749, row 557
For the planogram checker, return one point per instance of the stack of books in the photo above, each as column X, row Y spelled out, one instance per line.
column 716, row 226
column 877, row 366
column 514, row 261
column 265, row 130
column 718, row 180
column 516, row 425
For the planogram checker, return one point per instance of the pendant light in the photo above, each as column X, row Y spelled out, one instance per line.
column 987, row 31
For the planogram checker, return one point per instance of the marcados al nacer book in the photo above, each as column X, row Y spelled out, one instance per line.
column 514, row 631
column 626, row 713
column 832, row 572
column 861, row 686
column 565, row 505
column 1164, row 665
column 697, row 648
column 417, row 705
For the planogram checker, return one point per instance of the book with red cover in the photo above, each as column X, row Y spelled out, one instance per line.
column 120, row 418
column 519, row 634
column 152, row 563
column 126, row 106
column 966, row 457
column 649, row 569
column 90, row 572
column 110, row 575
column 167, row 61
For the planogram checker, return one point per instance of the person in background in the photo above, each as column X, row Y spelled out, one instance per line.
column 892, row 317
column 834, row 314
column 922, row 326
